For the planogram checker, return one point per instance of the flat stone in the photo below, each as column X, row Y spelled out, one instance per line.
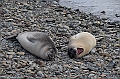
column 57, row 73
column 10, row 53
column 21, row 53
column 24, row 10
column 11, row 72
column 41, row 63
column 106, row 54
column 10, row 56
column 40, row 74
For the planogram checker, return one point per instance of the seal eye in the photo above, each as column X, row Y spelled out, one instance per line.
column 51, row 50
column 71, row 52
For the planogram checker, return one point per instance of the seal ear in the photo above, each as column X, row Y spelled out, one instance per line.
column 31, row 39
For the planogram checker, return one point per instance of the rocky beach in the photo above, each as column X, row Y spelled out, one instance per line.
column 59, row 23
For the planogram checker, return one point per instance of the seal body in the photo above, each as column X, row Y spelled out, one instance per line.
column 80, row 44
column 38, row 43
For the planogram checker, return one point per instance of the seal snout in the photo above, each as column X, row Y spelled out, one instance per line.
column 51, row 54
column 71, row 52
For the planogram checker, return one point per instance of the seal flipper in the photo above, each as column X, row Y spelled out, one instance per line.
column 31, row 39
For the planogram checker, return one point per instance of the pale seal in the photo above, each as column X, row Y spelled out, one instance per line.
column 37, row 43
column 81, row 44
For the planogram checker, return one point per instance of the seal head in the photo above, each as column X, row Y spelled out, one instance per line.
column 80, row 44
column 73, row 52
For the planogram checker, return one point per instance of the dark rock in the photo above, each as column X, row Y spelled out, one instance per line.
column 50, row 20
column 57, row 73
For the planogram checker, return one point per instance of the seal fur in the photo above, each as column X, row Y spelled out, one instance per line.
column 81, row 44
column 38, row 43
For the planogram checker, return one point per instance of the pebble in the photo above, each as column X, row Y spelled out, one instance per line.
column 116, row 45
column 41, row 63
column 10, row 56
column 106, row 54
column 21, row 53
column 11, row 72
column 57, row 73
column 2, row 77
column 1, row 54
column 69, row 16
column 91, row 75
column 50, row 20
column 29, row 71
column 10, row 53
column 103, row 75
column 76, row 68
column 40, row 74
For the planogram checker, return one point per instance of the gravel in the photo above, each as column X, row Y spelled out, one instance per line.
column 59, row 23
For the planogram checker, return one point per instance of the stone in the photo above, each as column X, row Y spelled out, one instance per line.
column 69, row 16
column 11, row 72
column 24, row 10
column 41, row 63
column 57, row 73
column 102, row 75
column 29, row 71
column 106, row 54
column 21, row 53
column 10, row 53
column 116, row 45
column 91, row 75
column 10, row 56
column 2, row 77
column 40, row 74
column 50, row 20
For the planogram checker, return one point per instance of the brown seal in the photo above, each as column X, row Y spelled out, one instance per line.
column 38, row 43
column 81, row 44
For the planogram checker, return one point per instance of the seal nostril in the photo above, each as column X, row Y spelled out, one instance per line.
column 71, row 49
column 50, row 56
